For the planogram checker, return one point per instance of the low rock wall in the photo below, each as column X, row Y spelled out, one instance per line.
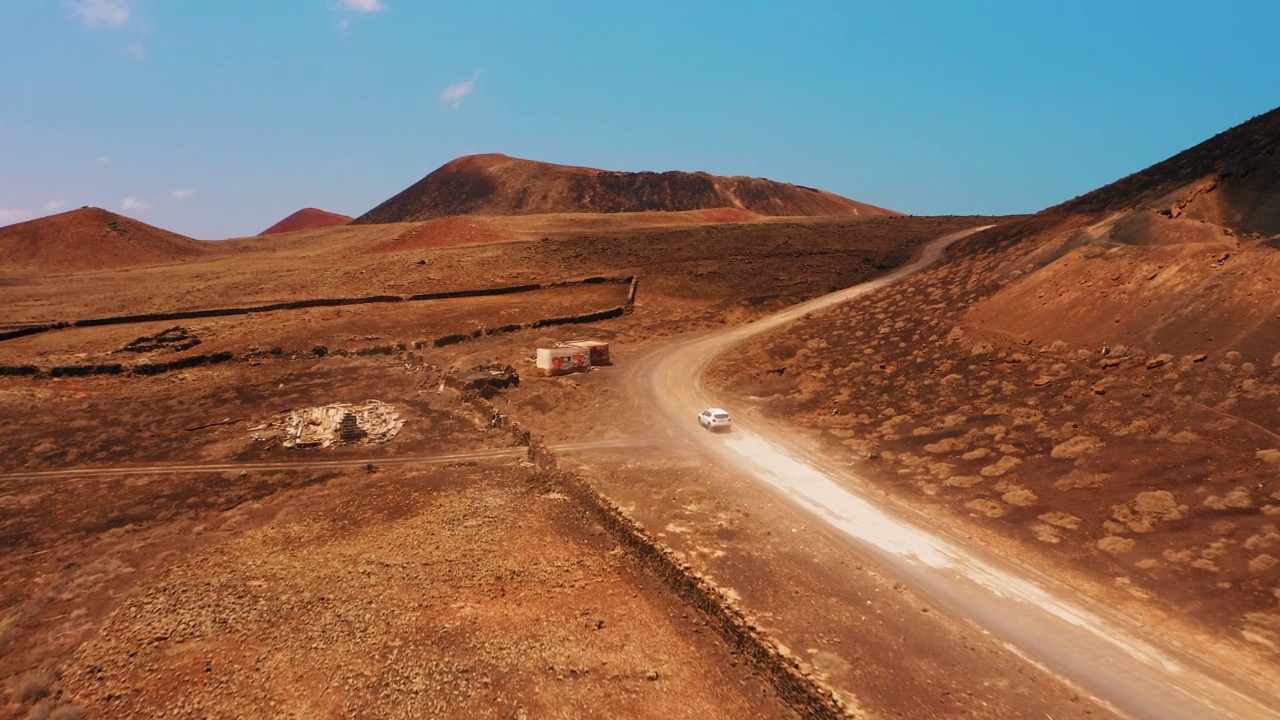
column 793, row 682
column 313, row 303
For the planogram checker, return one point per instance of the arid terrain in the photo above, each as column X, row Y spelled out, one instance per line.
column 436, row 573
column 1090, row 392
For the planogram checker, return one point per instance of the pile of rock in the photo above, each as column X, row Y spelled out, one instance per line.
column 323, row 426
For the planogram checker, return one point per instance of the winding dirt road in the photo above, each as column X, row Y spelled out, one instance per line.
column 1104, row 654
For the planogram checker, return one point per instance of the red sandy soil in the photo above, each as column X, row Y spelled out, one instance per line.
column 500, row 185
column 307, row 219
column 89, row 239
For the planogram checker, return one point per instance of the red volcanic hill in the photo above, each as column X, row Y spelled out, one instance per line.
column 307, row 219
column 500, row 185
column 89, row 239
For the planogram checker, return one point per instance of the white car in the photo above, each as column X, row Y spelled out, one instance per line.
column 714, row 419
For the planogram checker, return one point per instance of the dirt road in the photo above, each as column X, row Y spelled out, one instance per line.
column 1106, row 655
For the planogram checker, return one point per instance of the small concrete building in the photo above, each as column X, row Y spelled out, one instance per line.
column 598, row 348
column 563, row 360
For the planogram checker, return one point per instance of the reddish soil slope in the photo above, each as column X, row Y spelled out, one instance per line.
column 1179, row 258
column 500, row 185
column 307, row 219
column 89, row 239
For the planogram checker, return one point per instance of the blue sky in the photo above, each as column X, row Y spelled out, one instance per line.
column 217, row 119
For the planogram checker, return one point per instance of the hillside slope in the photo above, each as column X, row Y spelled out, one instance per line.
column 89, row 239
column 307, row 219
column 500, row 185
column 1095, row 388
column 1178, row 258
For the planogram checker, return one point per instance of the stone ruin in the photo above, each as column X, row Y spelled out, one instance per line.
column 374, row 421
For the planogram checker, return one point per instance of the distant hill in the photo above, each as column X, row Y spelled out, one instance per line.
column 500, row 185
column 307, row 219
column 89, row 239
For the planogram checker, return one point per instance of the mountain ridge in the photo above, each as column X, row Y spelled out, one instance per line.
column 496, row 184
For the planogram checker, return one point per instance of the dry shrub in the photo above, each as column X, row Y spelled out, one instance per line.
column 1223, row 527
column 1081, row 480
column 1237, row 499
column 1026, row 416
column 1021, row 497
column 1179, row 556
column 1265, row 538
column 941, row 470
column 1270, row 455
column 990, row 508
column 1000, row 467
column 1161, row 503
column 946, row 445
column 1206, row 565
column 1186, row 437
column 32, row 684
column 1262, row 563
column 1061, row 519
column 964, row 481
column 1116, row 545
column 1076, row 447
column 977, row 454
column 1216, row 549
column 1044, row 533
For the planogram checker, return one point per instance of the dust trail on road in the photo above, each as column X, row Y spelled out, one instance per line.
column 1050, row 625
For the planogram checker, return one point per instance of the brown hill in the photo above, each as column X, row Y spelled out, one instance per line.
column 307, row 219
column 500, row 185
column 89, row 239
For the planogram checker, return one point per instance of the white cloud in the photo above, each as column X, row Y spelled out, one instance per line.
column 182, row 193
column 137, row 52
column 54, row 205
column 459, row 91
column 362, row 6
column 9, row 216
column 100, row 13
column 102, row 160
column 133, row 203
